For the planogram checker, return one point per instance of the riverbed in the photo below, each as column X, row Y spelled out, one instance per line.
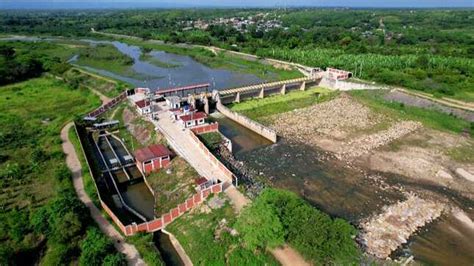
column 355, row 195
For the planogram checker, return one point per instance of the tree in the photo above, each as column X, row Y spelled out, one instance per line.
column 260, row 226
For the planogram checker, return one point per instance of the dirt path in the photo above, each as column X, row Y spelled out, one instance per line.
column 72, row 161
column 288, row 256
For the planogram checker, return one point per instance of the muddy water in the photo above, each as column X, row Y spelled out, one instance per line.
column 139, row 198
column 243, row 139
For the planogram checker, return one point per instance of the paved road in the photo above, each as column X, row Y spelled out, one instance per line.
column 72, row 161
column 183, row 144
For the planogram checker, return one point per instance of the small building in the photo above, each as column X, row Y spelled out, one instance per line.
column 177, row 113
column 152, row 158
column 202, row 183
column 193, row 119
column 143, row 107
column 173, row 102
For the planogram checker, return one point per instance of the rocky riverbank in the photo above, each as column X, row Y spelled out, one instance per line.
column 385, row 232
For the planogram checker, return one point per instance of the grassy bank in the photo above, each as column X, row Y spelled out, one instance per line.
column 430, row 118
column 44, row 222
column 206, row 238
column 155, row 61
column 258, row 109
column 109, row 87
column 106, row 57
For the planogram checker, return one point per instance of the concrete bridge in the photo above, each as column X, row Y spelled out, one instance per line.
column 260, row 90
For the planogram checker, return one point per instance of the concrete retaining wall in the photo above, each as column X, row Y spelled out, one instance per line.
column 211, row 157
column 256, row 127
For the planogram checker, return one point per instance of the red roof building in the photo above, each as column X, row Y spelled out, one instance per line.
column 143, row 106
column 193, row 119
column 152, row 158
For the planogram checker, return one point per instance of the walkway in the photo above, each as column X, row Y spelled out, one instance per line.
column 186, row 148
column 72, row 161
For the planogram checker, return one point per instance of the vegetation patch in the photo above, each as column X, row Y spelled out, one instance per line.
column 78, row 77
column 258, row 109
column 148, row 57
column 44, row 220
column 172, row 185
column 107, row 57
column 207, row 236
column 463, row 154
column 143, row 242
column 211, row 140
column 429, row 118
column 278, row 216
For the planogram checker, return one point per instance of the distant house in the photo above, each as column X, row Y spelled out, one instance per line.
column 143, row 106
column 152, row 158
column 193, row 119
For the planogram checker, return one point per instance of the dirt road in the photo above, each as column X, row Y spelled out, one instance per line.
column 72, row 161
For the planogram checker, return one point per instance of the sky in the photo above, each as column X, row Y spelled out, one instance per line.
column 230, row 3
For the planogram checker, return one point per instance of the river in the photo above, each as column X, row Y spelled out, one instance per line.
column 346, row 192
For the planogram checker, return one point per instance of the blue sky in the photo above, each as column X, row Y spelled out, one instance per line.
column 242, row 3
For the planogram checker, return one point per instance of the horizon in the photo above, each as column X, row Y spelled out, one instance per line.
column 182, row 4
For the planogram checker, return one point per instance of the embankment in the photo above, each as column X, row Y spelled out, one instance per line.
column 256, row 127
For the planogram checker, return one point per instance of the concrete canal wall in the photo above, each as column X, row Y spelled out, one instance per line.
column 256, row 127
column 210, row 157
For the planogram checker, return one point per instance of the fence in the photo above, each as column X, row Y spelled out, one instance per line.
column 173, row 214
column 256, row 127
column 105, row 107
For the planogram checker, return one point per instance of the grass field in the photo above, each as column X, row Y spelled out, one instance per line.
column 207, row 242
column 257, row 109
column 430, row 118
column 106, row 86
column 34, row 180
column 32, row 114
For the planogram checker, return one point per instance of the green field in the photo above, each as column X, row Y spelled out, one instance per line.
column 207, row 242
column 109, row 87
column 43, row 221
column 430, row 118
column 258, row 109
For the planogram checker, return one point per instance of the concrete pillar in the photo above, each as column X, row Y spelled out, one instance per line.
column 262, row 93
column 303, row 86
column 237, row 97
column 206, row 105
column 283, row 89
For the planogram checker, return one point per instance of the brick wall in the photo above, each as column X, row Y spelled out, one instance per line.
column 213, row 127
column 169, row 217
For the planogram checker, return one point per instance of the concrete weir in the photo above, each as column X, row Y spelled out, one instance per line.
column 264, row 89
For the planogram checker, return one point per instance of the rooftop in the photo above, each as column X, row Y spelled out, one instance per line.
column 151, row 152
column 193, row 116
column 142, row 103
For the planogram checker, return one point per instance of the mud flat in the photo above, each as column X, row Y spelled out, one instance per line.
column 384, row 233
